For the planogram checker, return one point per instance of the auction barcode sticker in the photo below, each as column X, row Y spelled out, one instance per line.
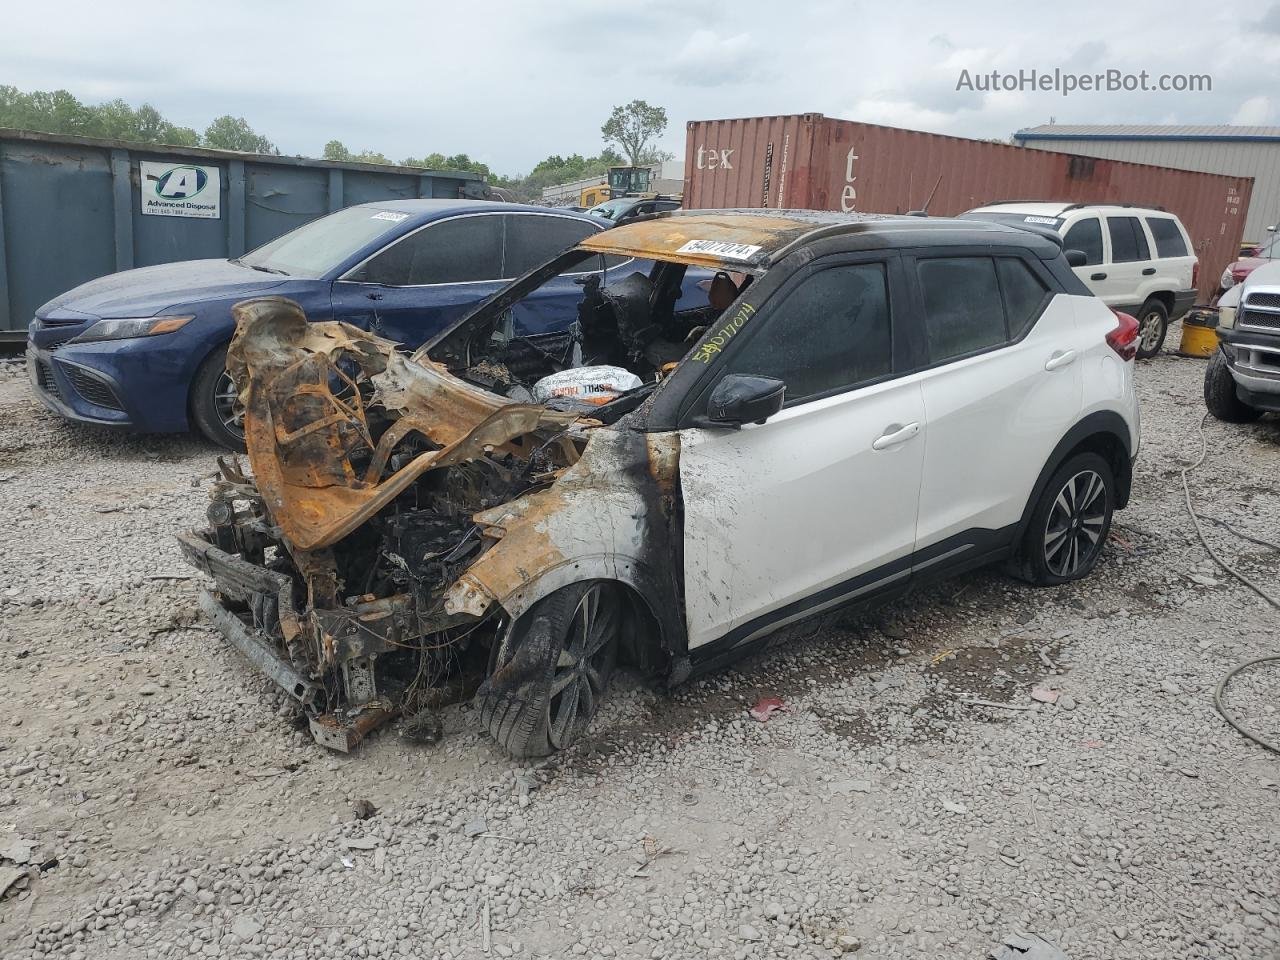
column 721, row 248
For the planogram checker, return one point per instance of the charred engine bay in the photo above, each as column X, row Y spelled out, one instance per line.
column 369, row 469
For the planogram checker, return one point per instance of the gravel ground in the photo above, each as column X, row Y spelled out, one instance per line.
column 168, row 803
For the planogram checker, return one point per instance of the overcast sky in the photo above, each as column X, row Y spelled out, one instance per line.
column 510, row 83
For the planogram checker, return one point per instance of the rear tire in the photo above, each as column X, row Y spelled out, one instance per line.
column 214, row 408
column 1220, row 393
column 550, row 669
column 1153, row 325
column 1070, row 522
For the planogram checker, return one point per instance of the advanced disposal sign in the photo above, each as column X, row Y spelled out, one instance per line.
column 180, row 190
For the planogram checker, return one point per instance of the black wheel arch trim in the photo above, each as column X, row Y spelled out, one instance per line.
column 1106, row 423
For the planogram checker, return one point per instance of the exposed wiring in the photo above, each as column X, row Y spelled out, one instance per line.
column 1195, row 519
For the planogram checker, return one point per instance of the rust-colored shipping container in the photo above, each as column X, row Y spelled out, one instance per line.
column 820, row 163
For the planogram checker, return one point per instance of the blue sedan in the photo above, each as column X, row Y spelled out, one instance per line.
column 145, row 349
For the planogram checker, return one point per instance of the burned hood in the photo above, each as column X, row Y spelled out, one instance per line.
column 317, row 395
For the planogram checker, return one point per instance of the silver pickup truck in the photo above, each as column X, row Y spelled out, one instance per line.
column 1242, row 380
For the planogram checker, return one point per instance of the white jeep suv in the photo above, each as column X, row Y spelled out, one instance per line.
column 1136, row 259
column 866, row 404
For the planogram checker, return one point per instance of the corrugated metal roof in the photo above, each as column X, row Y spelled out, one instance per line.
column 1139, row 131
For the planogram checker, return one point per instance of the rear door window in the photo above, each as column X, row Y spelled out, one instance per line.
column 533, row 239
column 1128, row 242
column 1025, row 294
column 1086, row 236
column 1168, row 238
column 830, row 333
column 963, row 311
column 460, row 250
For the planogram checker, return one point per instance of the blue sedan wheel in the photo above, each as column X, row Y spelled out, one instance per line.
column 226, row 399
column 215, row 405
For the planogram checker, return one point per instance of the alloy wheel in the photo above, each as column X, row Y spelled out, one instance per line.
column 581, row 671
column 1073, row 532
column 226, row 402
column 1149, row 330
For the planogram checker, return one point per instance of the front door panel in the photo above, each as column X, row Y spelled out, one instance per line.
column 777, row 512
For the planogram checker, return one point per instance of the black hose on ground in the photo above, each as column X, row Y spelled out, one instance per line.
column 1228, row 716
column 1222, row 684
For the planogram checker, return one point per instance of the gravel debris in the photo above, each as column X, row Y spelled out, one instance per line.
column 169, row 804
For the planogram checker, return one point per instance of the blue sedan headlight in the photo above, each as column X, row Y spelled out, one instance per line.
column 130, row 328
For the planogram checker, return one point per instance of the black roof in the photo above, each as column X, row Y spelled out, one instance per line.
column 873, row 231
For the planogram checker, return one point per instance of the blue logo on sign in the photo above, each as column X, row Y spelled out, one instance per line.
column 181, row 183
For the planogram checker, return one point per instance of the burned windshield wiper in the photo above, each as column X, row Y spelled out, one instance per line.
column 265, row 269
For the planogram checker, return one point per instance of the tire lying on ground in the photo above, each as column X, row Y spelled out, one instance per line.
column 550, row 669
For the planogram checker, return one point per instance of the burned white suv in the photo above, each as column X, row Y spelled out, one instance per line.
column 866, row 403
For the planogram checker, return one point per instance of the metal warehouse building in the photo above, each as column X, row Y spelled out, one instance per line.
column 1237, row 151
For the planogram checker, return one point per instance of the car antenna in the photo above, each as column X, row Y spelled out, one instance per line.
column 924, row 211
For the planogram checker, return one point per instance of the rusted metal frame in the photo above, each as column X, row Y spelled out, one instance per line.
column 388, row 442
column 241, row 579
column 260, row 651
column 345, row 733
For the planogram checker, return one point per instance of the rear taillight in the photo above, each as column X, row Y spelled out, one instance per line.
column 1195, row 275
column 1124, row 338
column 1238, row 274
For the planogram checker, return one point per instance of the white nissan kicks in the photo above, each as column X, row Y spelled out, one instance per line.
column 865, row 405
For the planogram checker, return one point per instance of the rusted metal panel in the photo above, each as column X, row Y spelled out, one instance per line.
column 301, row 435
column 708, row 240
column 821, row 163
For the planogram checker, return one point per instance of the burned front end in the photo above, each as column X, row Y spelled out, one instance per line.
column 338, row 566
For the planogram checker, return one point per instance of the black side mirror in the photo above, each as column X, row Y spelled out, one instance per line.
column 739, row 399
column 1077, row 258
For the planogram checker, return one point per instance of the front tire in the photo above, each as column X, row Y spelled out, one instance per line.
column 550, row 669
column 1220, row 393
column 215, row 407
column 1070, row 522
column 1153, row 324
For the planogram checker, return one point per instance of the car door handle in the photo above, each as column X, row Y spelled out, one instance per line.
column 895, row 434
column 1149, row 271
column 375, row 296
column 1097, row 276
column 1060, row 359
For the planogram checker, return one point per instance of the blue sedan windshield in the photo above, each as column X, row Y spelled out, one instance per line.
column 321, row 245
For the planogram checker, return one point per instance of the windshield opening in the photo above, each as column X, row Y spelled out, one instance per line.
column 620, row 330
column 320, row 246
column 610, row 209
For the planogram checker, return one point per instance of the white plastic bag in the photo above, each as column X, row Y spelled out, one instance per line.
column 592, row 384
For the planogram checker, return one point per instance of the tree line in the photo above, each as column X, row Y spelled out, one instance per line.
column 632, row 128
column 58, row 111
